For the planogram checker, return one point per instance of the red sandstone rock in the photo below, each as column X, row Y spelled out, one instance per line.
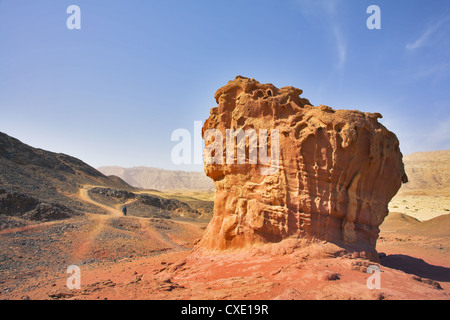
column 338, row 170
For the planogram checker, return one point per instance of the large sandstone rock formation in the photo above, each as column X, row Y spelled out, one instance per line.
column 337, row 171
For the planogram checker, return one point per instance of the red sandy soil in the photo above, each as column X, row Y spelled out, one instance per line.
column 277, row 272
column 139, row 258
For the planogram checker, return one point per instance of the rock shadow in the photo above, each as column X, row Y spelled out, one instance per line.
column 416, row 267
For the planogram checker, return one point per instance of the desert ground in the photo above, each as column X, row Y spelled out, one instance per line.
column 149, row 258
column 56, row 212
column 422, row 207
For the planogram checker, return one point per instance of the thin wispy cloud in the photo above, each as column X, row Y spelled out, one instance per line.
column 424, row 38
column 341, row 47
column 316, row 9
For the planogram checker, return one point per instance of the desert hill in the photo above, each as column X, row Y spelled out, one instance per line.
column 40, row 185
column 36, row 171
column 427, row 170
column 160, row 179
column 399, row 222
column 427, row 193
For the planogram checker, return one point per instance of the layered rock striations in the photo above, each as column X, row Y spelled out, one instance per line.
column 336, row 173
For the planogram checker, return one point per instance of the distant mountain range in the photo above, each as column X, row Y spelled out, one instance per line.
column 425, row 170
column 160, row 179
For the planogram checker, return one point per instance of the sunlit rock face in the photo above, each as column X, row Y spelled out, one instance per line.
column 335, row 174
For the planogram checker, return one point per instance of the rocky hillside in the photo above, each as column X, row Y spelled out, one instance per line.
column 160, row 179
column 39, row 185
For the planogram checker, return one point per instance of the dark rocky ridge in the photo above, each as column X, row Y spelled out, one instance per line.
column 40, row 185
column 19, row 205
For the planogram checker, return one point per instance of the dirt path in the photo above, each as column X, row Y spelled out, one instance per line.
column 87, row 246
column 151, row 234
column 83, row 194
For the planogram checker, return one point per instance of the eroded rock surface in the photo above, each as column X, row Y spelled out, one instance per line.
column 337, row 172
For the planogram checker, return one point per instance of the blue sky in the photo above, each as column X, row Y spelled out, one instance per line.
column 113, row 92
